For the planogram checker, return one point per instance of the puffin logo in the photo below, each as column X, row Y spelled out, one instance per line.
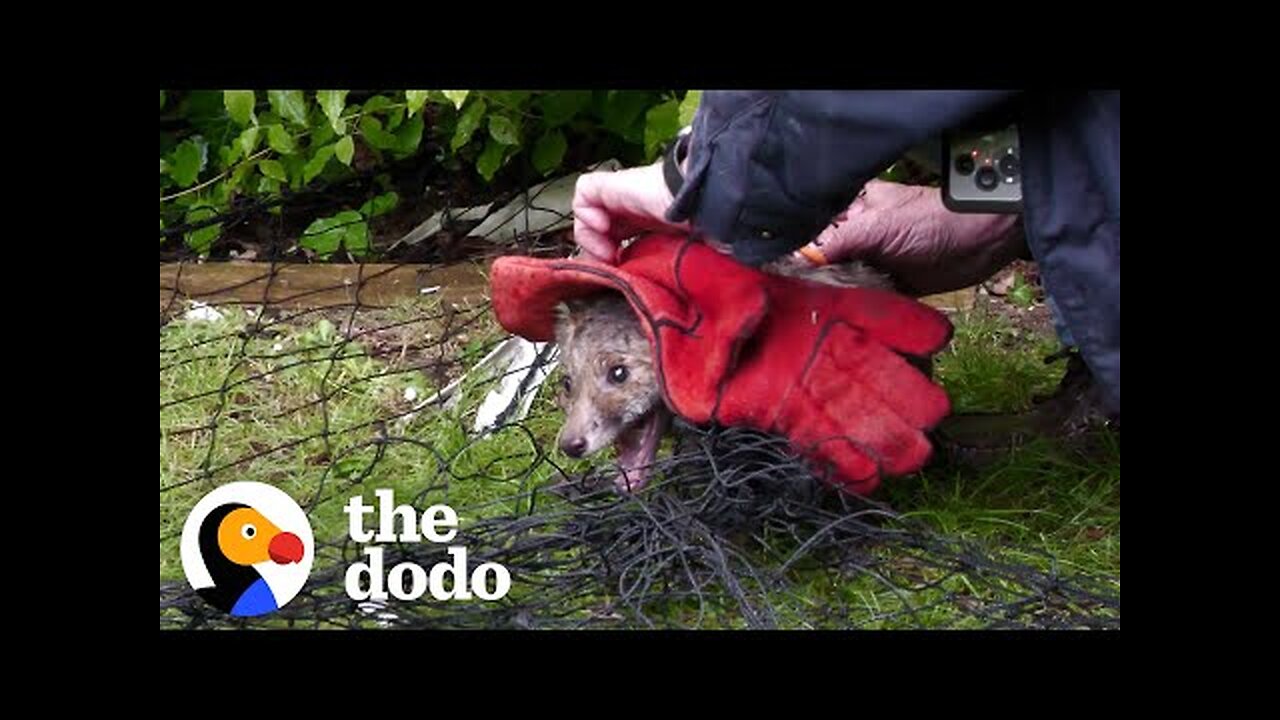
column 247, row 548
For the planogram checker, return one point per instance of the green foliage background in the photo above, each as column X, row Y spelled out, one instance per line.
column 221, row 146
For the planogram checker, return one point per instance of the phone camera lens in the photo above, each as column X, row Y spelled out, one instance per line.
column 1009, row 165
column 987, row 179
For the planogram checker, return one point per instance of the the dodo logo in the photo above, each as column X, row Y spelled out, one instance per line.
column 247, row 548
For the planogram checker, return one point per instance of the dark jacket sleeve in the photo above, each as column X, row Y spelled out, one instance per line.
column 1071, row 209
column 768, row 170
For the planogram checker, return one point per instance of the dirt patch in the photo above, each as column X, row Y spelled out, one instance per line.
column 1016, row 295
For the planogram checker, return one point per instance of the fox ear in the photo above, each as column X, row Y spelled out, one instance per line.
column 567, row 317
column 571, row 314
column 576, row 306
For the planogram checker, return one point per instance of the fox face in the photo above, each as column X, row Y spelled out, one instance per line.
column 609, row 382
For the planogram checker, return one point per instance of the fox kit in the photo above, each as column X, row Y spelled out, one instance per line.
column 609, row 389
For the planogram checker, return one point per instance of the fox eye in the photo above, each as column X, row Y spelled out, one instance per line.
column 618, row 374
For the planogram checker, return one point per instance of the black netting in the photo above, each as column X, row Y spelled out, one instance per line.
column 326, row 393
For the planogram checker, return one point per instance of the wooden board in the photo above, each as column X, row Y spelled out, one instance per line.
column 376, row 285
column 308, row 286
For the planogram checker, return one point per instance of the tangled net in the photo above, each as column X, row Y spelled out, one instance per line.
column 734, row 531
column 717, row 542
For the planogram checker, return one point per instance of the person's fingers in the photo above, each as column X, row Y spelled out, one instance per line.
column 587, row 187
column 609, row 207
column 858, row 236
column 591, row 220
column 879, row 194
column 596, row 245
column 595, row 218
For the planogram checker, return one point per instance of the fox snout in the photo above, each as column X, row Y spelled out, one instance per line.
column 586, row 430
column 573, row 446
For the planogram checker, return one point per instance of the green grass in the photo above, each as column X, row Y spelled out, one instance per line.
column 992, row 366
column 296, row 408
column 303, row 404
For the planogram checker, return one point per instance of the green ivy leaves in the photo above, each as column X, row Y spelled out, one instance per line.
column 467, row 125
column 249, row 142
column 332, row 103
column 689, row 106
column 457, row 97
column 186, row 162
column 549, row 151
column 661, row 123
column 415, row 99
column 274, row 170
column 348, row 229
column 502, row 129
column 345, row 149
column 290, row 105
column 490, row 159
column 239, row 104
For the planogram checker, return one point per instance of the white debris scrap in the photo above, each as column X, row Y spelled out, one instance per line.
column 513, row 364
column 510, row 365
column 202, row 312
column 543, row 208
column 379, row 611
column 435, row 223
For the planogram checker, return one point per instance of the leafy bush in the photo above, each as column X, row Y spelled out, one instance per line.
column 218, row 146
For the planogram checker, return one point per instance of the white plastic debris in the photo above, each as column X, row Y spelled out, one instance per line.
column 511, row 366
column 380, row 612
column 543, row 208
column 433, row 224
column 202, row 312
column 514, row 365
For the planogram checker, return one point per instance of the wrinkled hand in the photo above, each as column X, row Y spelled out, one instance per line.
column 609, row 207
column 906, row 231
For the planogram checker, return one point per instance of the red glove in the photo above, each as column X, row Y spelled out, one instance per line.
column 735, row 346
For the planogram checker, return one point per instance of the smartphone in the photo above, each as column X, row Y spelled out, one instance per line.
column 982, row 170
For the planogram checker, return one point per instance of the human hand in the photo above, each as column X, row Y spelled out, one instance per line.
column 907, row 232
column 610, row 207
